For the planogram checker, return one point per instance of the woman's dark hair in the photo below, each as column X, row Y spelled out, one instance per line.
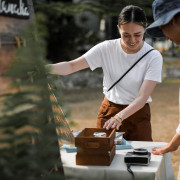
column 132, row 14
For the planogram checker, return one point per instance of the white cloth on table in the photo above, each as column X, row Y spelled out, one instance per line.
column 160, row 167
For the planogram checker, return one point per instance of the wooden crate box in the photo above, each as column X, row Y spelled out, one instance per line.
column 93, row 150
column 93, row 159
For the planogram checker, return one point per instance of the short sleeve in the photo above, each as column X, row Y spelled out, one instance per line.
column 154, row 71
column 178, row 130
column 94, row 56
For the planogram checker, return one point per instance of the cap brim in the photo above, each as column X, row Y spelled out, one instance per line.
column 154, row 30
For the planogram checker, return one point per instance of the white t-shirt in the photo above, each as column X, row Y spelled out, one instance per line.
column 110, row 56
column 178, row 130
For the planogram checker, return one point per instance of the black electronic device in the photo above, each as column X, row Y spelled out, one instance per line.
column 138, row 157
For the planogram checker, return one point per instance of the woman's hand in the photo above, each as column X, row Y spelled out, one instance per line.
column 170, row 147
column 113, row 123
column 161, row 150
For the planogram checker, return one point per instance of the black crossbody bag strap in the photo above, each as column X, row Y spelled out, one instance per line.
column 129, row 69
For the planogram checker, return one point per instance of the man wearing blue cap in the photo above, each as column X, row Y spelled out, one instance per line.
column 166, row 23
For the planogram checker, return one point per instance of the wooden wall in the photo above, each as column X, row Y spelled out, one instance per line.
column 12, row 20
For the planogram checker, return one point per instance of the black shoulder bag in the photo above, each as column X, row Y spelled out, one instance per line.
column 129, row 69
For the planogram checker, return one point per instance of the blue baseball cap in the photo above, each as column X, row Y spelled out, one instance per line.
column 163, row 13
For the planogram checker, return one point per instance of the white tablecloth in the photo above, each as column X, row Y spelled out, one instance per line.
column 160, row 167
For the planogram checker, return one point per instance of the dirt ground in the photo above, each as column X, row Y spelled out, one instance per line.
column 84, row 105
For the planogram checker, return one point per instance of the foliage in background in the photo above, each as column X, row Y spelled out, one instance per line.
column 28, row 143
column 66, row 36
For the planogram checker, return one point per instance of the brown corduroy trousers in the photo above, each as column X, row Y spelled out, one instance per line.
column 137, row 127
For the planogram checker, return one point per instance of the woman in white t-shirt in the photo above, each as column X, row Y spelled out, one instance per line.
column 125, row 106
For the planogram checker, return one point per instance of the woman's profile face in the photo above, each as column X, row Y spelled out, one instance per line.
column 171, row 31
column 131, row 37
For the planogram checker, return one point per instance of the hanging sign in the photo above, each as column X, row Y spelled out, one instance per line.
column 14, row 8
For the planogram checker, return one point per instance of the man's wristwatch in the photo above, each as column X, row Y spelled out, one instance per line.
column 120, row 116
